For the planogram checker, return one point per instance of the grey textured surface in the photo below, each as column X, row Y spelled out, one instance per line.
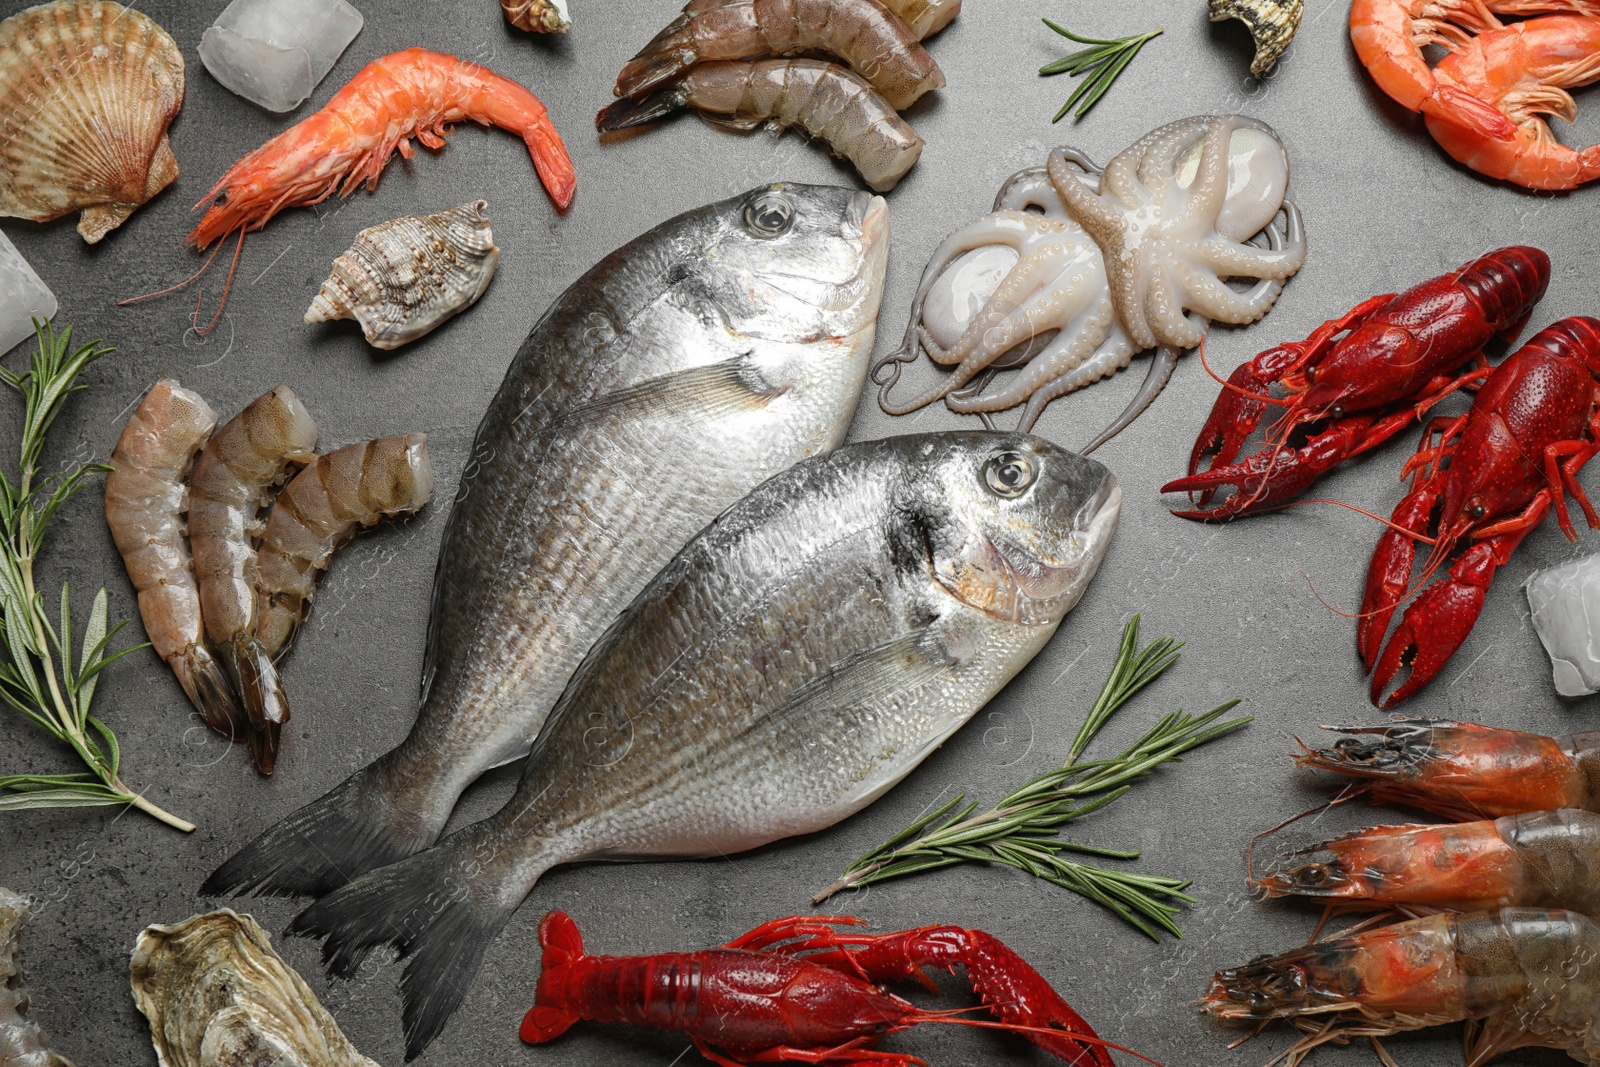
column 1384, row 209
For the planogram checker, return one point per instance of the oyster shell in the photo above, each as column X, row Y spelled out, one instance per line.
column 22, row 1043
column 537, row 16
column 217, row 995
column 87, row 91
column 402, row 278
column 1272, row 23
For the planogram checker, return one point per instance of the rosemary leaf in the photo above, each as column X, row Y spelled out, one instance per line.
column 1106, row 59
column 1023, row 830
column 37, row 677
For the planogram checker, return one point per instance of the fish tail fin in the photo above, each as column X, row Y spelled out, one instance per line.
column 357, row 827
column 563, row 945
column 629, row 111
column 206, row 684
column 428, row 908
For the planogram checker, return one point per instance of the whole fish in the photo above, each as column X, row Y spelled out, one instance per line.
column 671, row 379
column 795, row 660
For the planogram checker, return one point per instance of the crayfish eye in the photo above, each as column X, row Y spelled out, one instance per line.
column 1337, row 411
column 1477, row 510
column 1009, row 474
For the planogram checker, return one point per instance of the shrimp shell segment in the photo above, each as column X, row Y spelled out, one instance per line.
column 87, row 91
column 330, row 501
column 402, row 278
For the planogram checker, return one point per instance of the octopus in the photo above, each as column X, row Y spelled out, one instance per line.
column 1079, row 268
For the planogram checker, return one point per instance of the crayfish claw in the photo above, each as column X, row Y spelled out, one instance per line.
column 1432, row 629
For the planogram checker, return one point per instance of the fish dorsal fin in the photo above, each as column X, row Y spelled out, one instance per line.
column 871, row 676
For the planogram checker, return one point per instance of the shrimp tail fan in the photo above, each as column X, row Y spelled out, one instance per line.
column 629, row 112
column 433, row 909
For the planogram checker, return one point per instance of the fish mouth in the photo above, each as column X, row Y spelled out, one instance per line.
column 1109, row 495
column 866, row 219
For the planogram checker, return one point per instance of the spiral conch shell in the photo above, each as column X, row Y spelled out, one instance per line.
column 1272, row 24
column 87, row 91
column 537, row 16
column 402, row 278
column 217, row 995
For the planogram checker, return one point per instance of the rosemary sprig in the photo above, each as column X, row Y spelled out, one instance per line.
column 55, row 695
column 1023, row 830
column 1106, row 58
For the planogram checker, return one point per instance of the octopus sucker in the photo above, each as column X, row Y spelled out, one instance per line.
column 1106, row 264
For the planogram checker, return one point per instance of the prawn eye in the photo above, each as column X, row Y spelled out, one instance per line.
column 1313, row 874
column 769, row 215
column 1009, row 474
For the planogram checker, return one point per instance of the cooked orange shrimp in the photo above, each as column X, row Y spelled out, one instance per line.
column 1461, row 770
column 823, row 99
column 145, row 505
column 326, row 504
column 414, row 93
column 232, row 481
column 867, row 36
column 1543, row 859
column 1525, row 71
column 925, row 17
column 1526, row 976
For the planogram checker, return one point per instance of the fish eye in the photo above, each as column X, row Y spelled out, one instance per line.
column 769, row 215
column 1009, row 474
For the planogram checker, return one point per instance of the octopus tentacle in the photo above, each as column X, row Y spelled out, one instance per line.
column 1155, row 380
column 1210, row 186
column 1206, row 293
column 1076, row 342
column 1113, row 354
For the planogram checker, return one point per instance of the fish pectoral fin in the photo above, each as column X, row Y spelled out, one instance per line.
column 707, row 392
column 871, row 677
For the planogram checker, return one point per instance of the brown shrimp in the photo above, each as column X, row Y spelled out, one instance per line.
column 824, row 99
column 864, row 34
column 232, row 481
column 1525, row 976
column 146, row 501
column 1543, row 859
column 1461, row 770
column 326, row 504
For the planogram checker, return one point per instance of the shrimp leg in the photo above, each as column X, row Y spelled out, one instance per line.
column 235, row 473
column 145, row 506
column 327, row 503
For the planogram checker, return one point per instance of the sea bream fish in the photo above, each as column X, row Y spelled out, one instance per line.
column 797, row 658
column 679, row 373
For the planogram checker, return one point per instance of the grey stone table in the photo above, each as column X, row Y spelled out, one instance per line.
column 1383, row 207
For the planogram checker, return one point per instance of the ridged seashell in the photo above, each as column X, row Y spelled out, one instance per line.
column 217, row 995
column 1272, row 23
column 87, row 91
column 22, row 1043
column 537, row 16
column 402, row 278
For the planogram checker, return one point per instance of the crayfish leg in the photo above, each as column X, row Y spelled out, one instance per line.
column 845, row 1055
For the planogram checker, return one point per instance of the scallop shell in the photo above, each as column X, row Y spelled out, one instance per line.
column 537, row 16
column 1272, row 23
column 217, row 995
column 22, row 1043
column 87, row 91
column 402, row 278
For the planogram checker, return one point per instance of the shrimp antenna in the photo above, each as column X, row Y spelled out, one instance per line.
column 174, row 288
column 226, row 288
column 1249, row 850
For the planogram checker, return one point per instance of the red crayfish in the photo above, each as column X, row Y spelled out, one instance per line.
column 1365, row 377
column 799, row 990
column 1511, row 459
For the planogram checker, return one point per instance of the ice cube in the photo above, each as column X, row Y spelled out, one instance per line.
column 1566, row 612
column 274, row 52
column 23, row 297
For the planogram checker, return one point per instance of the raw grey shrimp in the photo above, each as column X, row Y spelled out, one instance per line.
column 232, row 481
column 1461, row 770
column 824, row 99
column 1521, row 976
column 326, row 504
column 864, row 34
column 1546, row 859
column 146, row 501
